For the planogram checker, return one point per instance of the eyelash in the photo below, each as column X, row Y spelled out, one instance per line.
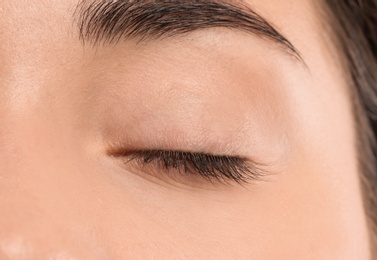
column 211, row 167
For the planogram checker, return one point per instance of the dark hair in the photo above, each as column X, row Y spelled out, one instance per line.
column 353, row 25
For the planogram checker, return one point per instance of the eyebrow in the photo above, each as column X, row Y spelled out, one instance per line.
column 109, row 21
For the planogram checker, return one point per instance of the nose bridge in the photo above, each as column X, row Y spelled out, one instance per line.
column 32, row 185
column 39, row 182
column 36, row 138
column 24, row 73
column 39, row 156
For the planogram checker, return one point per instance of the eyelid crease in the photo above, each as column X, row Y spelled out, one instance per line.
column 222, row 168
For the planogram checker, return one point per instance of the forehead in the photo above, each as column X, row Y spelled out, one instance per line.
column 53, row 24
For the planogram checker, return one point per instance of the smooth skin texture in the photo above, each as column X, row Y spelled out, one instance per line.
column 63, row 105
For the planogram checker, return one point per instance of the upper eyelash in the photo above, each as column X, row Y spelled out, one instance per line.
column 223, row 168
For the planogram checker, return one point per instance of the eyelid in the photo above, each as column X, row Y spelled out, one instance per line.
column 222, row 168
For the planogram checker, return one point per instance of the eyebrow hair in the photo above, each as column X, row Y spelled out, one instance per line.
column 109, row 21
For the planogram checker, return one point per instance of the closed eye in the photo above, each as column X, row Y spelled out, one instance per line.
column 211, row 167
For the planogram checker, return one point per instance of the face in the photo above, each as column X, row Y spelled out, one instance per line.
column 98, row 143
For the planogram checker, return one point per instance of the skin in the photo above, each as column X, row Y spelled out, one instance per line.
column 62, row 106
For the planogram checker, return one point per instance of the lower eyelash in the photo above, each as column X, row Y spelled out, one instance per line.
column 211, row 167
